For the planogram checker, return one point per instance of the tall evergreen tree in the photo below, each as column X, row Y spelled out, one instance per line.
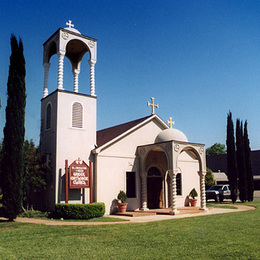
column 248, row 166
column 241, row 162
column 231, row 158
column 13, row 152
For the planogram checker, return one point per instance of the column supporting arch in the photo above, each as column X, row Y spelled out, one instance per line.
column 61, row 56
column 46, row 67
column 173, row 174
column 92, row 77
column 202, row 190
column 76, row 80
column 144, row 191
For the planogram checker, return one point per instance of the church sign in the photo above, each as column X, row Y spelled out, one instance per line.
column 78, row 175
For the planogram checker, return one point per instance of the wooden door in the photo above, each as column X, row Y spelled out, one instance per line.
column 154, row 187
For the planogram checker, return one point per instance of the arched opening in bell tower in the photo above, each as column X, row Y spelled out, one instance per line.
column 76, row 56
column 75, row 61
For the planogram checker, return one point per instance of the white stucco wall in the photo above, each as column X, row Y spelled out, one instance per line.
column 47, row 144
column 66, row 142
column 74, row 143
column 114, row 161
column 188, row 166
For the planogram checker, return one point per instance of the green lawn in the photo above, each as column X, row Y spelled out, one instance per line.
column 101, row 219
column 228, row 236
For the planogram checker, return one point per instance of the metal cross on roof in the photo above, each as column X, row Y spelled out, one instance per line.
column 69, row 24
column 170, row 122
column 152, row 105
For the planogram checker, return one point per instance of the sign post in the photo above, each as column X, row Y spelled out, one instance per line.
column 91, row 183
column 66, row 182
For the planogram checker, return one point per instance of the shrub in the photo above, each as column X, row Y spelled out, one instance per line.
column 79, row 211
column 31, row 213
column 2, row 211
column 193, row 193
column 209, row 178
column 122, row 196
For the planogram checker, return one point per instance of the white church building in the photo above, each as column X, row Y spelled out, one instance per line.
column 152, row 162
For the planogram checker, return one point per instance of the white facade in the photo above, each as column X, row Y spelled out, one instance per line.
column 181, row 167
column 136, row 151
column 63, row 141
column 114, row 159
column 154, row 164
column 68, row 119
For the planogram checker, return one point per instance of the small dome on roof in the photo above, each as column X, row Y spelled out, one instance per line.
column 170, row 135
column 72, row 30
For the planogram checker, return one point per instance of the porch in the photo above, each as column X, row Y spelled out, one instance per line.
column 153, row 212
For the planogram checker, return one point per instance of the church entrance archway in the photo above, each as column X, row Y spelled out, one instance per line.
column 154, row 188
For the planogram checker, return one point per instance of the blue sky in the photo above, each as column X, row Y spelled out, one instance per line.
column 198, row 59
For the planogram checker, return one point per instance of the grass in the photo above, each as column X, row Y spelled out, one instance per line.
column 101, row 219
column 227, row 236
column 211, row 205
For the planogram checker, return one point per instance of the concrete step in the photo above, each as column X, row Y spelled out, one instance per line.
column 135, row 213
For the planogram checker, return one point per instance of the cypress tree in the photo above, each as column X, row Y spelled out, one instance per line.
column 13, row 152
column 248, row 166
column 241, row 162
column 231, row 158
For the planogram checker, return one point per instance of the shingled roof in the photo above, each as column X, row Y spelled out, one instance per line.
column 108, row 134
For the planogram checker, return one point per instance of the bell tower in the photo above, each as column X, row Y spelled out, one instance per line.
column 68, row 118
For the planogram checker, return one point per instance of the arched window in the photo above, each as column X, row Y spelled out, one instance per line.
column 77, row 115
column 178, row 184
column 154, row 172
column 48, row 116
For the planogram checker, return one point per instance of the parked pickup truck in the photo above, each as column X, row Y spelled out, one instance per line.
column 218, row 192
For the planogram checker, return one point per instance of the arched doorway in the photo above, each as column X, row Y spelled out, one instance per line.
column 154, row 188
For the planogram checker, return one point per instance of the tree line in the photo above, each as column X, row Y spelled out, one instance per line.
column 239, row 167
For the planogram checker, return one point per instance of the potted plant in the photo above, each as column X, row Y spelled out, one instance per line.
column 193, row 194
column 122, row 205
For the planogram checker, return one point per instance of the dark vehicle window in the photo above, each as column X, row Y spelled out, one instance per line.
column 215, row 187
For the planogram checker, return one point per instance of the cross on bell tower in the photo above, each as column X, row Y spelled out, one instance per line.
column 70, row 24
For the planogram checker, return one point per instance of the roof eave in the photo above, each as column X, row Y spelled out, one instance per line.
column 102, row 147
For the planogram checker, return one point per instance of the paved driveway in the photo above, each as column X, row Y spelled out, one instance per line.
column 257, row 195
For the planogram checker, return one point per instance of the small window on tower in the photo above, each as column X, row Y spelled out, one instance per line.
column 48, row 116
column 77, row 115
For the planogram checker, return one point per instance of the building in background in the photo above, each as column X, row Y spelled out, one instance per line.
column 218, row 163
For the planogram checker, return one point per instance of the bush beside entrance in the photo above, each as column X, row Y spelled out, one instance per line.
column 79, row 211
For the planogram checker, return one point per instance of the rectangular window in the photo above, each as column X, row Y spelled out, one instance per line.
column 130, row 185
column 48, row 117
column 178, row 184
